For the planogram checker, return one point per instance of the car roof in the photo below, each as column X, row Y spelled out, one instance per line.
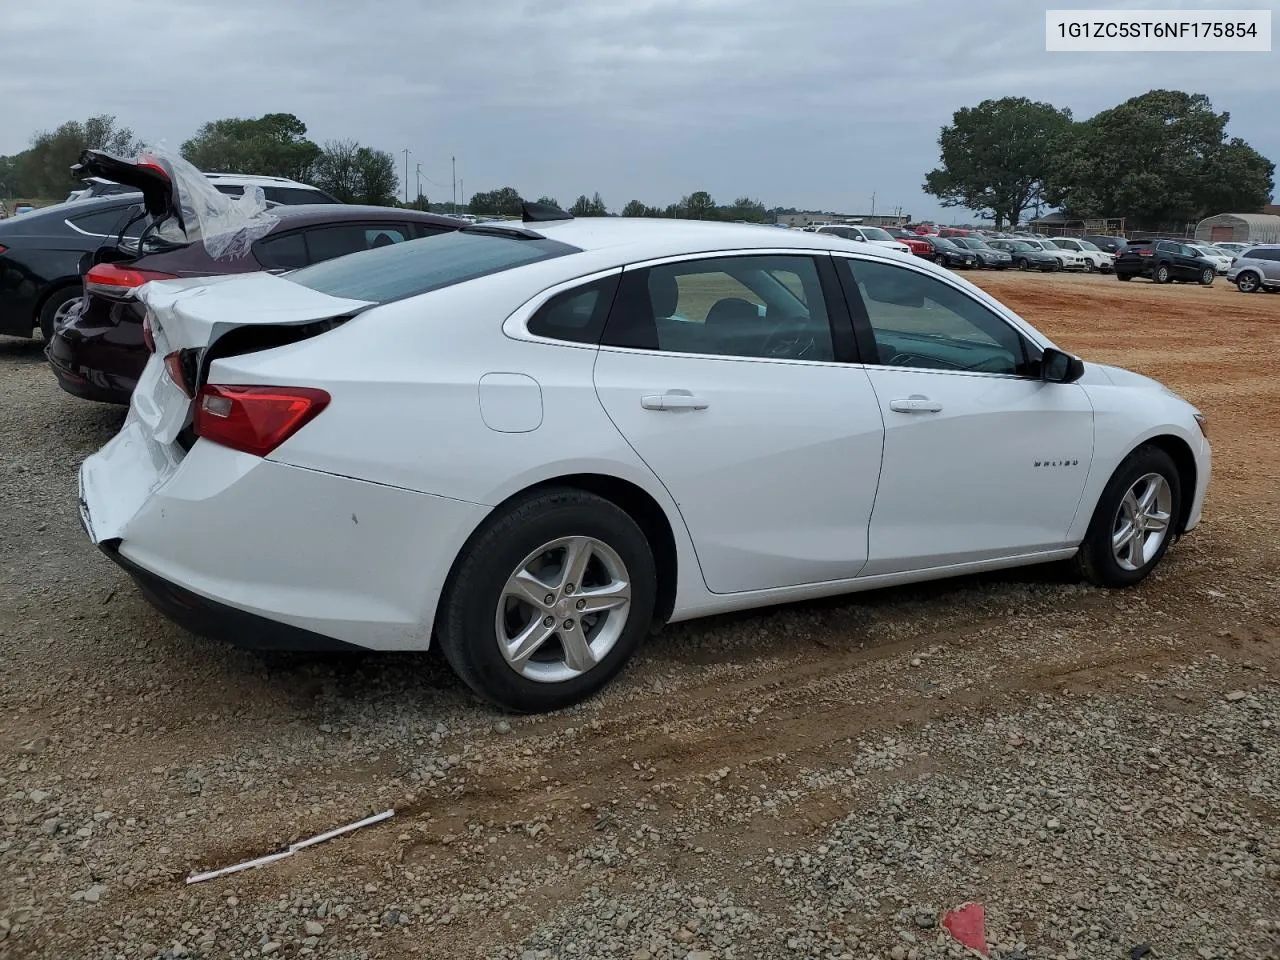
column 250, row 179
column 615, row 241
column 68, row 208
column 300, row 214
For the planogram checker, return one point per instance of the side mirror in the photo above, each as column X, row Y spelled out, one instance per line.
column 1059, row 367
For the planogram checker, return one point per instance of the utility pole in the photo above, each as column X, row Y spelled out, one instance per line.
column 406, row 176
column 462, row 192
column 873, row 204
column 419, row 172
column 454, row 161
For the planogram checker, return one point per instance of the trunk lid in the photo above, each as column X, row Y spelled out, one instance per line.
column 184, row 206
column 200, row 319
column 154, row 176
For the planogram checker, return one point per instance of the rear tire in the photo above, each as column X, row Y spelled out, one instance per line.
column 1161, row 275
column 1106, row 557
column 481, row 616
column 1021, row 263
column 1124, row 276
column 55, row 307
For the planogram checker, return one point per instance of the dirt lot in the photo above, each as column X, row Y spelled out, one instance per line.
column 1101, row 770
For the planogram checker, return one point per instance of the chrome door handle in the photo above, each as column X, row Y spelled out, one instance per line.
column 916, row 403
column 673, row 400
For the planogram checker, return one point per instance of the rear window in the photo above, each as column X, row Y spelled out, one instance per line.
column 418, row 266
column 107, row 223
column 292, row 195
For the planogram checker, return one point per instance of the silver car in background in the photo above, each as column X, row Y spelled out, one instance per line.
column 1257, row 268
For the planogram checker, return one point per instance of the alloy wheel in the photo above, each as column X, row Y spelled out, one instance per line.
column 1247, row 282
column 1142, row 521
column 563, row 609
column 63, row 315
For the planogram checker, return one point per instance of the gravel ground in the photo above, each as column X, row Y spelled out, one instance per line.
column 1100, row 770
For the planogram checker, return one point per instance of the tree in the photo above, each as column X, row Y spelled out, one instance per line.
column 744, row 208
column 357, row 174
column 698, row 206
column 503, row 202
column 273, row 145
column 376, row 176
column 582, row 207
column 995, row 156
column 635, row 208
column 1161, row 160
column 11, row 180
column 44, row 169
column 335, row 169
column 549, row 202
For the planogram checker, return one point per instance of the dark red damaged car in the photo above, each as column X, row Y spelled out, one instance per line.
column 100, row 351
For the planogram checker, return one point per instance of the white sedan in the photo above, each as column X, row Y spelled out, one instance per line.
column 534, row 441
column 1220, row 259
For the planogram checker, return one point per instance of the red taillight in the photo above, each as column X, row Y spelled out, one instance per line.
column 255, row 420
column 173, row 364
column 3, row 248
column 147, row 338
column 115, row 281
column 1144, row 253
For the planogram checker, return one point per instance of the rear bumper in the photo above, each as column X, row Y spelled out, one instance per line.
column 89, row 364
column 218, row 621
column 225, row 542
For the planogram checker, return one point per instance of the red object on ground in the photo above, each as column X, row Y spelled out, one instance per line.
column 968, row 924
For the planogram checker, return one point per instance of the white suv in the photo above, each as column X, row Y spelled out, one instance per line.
column 275, row 189
column 1097, row 258
column 881, row 238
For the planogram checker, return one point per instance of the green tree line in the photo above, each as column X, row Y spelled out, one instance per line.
column 1160, row 160
column 275, row 144
column 695, row 206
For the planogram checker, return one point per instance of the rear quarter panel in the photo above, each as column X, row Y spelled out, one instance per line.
column 405, row 383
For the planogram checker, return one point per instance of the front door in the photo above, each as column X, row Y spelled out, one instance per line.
column 726, row 376
column 982, row 458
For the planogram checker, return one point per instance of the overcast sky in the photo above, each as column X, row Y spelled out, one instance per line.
column 807, row 103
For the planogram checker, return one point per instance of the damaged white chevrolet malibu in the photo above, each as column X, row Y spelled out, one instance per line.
column 534, row 440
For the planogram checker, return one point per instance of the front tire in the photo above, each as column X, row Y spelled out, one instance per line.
column 1206, row 277
column 1124, row 276
column 1248, row 282
column 1134, row 521
column 1021, row 263
column 550, row 599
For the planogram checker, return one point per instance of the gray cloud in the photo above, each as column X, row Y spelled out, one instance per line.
column 813, row 103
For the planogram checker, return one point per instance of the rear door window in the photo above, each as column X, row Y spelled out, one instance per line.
column 402, row 270
column 338, row 240
column 287, row 251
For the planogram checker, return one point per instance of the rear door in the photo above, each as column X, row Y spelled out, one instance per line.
column 729, row 375
column 982, row 459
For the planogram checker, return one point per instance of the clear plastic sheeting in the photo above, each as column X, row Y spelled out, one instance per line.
column 226, row 225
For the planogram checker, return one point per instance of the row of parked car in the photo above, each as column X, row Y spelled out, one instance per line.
column 986, row 250
column 1252, row 267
